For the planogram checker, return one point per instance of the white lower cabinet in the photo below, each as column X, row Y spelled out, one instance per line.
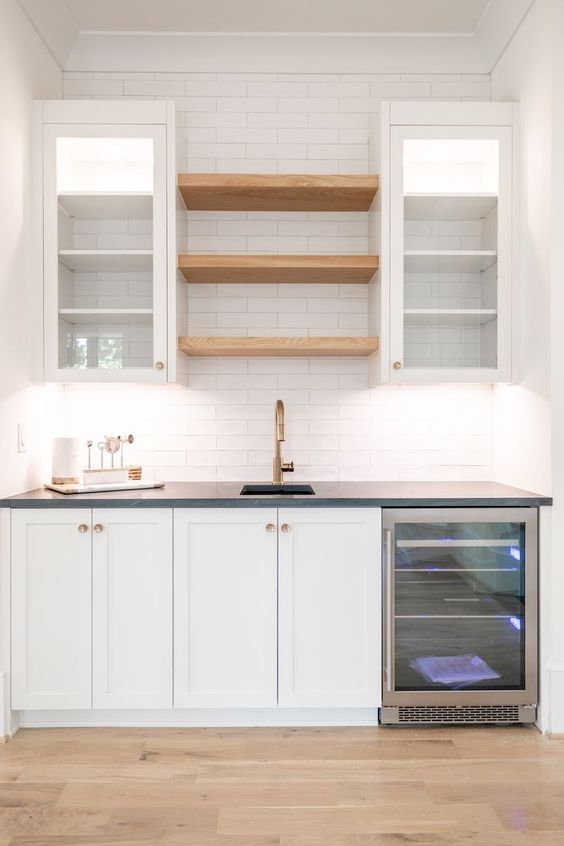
column 329, row 652
column 225, row 607
column 91, row 608
column 132, row 608
column 51, row 608
column 195, row 608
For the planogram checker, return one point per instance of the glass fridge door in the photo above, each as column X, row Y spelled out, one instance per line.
column 460, row 604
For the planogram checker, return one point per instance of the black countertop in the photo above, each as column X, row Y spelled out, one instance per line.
column 327, row 494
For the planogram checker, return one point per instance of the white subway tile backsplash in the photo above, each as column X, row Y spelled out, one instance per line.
column 153, row 88
column 220, row 426
column 275, row 119
column 199, row 88
column 246, row 104
column 308, row 104
column 278, row 89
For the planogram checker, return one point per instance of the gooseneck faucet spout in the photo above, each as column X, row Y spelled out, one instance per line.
column 279, row 466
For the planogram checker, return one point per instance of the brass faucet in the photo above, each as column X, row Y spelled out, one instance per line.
column 279, row 466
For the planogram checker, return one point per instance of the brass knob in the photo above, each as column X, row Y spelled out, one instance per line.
column 397, row 365
column 270, row 527
column 83, row 528
column 159, row 365
column 98, row 528
column 285, row 527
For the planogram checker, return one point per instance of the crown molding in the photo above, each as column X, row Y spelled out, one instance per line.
column 276, row 52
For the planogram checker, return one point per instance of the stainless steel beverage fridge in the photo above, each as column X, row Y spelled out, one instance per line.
column 460, row 615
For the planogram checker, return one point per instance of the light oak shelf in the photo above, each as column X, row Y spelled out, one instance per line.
column 276, row 192
column 347, row 269
column 252, row 347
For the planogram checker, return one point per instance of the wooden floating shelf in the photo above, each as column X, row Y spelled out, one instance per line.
column 276, row 192
column 278, row 268
column 252, row 347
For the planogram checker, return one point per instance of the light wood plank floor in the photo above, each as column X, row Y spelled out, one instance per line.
column 282, row 787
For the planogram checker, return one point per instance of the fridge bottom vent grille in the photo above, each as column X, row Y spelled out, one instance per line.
column 460, row 714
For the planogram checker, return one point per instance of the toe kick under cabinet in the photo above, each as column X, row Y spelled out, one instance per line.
column 191, row 608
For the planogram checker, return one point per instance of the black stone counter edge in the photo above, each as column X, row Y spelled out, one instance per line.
column 281, row 502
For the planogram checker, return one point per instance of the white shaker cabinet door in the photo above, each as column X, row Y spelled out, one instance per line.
column 225, row 607
column 329, row 607
column 132, row 603
column 51, row 608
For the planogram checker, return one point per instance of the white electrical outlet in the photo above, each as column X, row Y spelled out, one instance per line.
column 22, row 443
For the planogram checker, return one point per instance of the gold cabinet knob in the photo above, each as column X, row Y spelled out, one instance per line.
column 159, row 365
column 285, row 527
column 83, row 528
column 397, row 365
column 98, row 528
column 270, row 527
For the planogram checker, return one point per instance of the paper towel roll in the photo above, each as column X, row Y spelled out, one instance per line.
column 66, row 461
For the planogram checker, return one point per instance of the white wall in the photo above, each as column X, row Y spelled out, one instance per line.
column 27, row 71
column 221, row 426
column 522, row 410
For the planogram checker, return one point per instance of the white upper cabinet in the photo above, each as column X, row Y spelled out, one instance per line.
column 105, row 232
column 447, row 242
column 132, row 607
column 329, row 650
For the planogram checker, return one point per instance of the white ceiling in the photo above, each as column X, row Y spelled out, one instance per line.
column 366, row 16
column 277, row 36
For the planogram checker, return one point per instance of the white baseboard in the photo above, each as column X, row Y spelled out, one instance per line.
column 200, row 717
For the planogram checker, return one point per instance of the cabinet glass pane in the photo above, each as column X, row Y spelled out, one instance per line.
column 105, row 252
column 459, row 606
column 450, row 212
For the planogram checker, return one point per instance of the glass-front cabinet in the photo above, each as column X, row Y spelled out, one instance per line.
column 104, row 247
column 460, row 609
column 450, row 247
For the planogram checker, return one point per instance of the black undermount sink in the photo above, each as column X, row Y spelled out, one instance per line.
column 276, row 490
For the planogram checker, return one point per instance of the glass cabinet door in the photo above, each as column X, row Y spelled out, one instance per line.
column 460, row 602
column 105, row 252
column 450, row 253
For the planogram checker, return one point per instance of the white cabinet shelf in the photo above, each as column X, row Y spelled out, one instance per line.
column 86, row 261
column 449, row 317
column 451, row 207
column 448, row 261
column 104, row 206
column 107, row 315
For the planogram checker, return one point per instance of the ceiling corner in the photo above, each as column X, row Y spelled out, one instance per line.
column 55, row 25
column 496, row 28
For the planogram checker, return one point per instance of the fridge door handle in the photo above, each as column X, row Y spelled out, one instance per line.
column 389, row 608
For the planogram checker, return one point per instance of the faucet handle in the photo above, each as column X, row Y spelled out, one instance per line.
column 287, row 466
